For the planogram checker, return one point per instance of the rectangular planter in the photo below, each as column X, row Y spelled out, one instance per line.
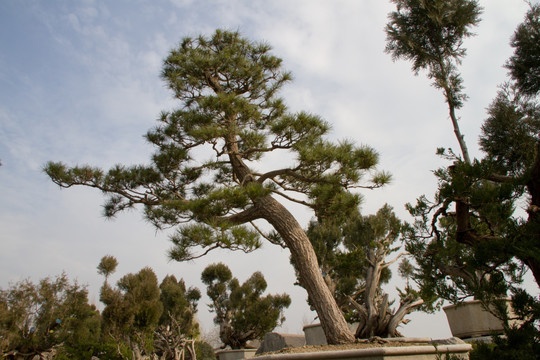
column 239, row 354
column 469, row 320
column 422, row 352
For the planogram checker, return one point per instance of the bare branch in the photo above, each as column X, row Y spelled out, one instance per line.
column 387, row 264
column 301, row 202
column 263, row 234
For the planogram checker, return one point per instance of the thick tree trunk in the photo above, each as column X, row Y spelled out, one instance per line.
column 332, row 321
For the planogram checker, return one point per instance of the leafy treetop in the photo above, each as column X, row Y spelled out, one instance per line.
column 207, row 165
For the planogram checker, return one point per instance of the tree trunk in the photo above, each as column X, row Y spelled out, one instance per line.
column 371, row 297
column 332, row 321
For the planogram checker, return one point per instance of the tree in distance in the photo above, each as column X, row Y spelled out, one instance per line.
column 132, row 312
column 51, row 317
column 242, row 313
column 145, row 319
column 208, row 176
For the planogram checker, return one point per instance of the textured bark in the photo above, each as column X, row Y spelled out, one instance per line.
column 377, row 319
column 332, row 321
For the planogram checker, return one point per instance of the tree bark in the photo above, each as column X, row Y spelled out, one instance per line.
column 332, row 321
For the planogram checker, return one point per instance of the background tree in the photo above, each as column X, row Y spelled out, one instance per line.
column 208, row 176
column 179, row 306
column 107, row 266
column 353, row 252
column 242, row 313
column 53, row 314
column 144, row 319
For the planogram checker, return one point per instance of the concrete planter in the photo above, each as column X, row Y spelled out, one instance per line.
column 470, row 320
column 239, row 354
column 314, row 333
column 422, row 352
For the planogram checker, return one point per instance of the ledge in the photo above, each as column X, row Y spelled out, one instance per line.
column 403, row 352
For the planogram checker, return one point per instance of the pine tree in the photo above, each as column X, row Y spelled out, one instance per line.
column 132, row 309
column 242, row 313
column 179, row 306
column 51, row 316
column 208, row 176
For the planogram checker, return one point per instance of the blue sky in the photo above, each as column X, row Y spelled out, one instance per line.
column 80, row 83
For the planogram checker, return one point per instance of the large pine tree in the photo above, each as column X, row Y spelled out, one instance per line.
column 209, row 176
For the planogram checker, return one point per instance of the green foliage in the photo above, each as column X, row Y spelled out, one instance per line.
column 140, row 316
column 511, row 131
column 524, row 65
column 134, row 307
column 229, row 106
column 180, row 305
column 353, row 253
column 208, row 177
column 346, row 245
column 242, row 313
column 472, row 240
column 107, row 266
column 37, row 317
column 204, row 351
column 521, row 342
column 430, row 34
column 458, row 255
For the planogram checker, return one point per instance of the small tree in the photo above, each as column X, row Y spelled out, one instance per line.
column 353, row 252
column 179, row 306
column 132, row 310
column 146, row 320
column 242, row 313
column 229, row 110
column 54, row 314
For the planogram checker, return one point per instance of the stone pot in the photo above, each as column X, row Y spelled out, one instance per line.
column 470, row 320
column 314, row 333
column 238, row 354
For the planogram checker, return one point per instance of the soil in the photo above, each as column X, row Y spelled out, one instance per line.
column 361, row 344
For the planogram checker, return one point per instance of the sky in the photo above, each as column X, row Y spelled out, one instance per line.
column 80, row 83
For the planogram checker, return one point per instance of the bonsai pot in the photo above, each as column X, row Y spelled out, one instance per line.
column 238, row 354
column 470, row 319
column 314, row 333
column 418, row 352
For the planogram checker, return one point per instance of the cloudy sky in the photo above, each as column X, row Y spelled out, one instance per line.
column 79, row 83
